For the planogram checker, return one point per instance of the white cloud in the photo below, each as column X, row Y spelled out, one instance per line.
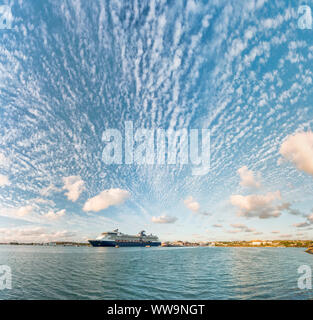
column 18, row 212
column 233, row 231
column 191, row 204
column 74, row 185
column 217, row 225
column 286, row 235
column 51, row 215
column 44, row 201
column 33, row 234
column 242, row 227
column 298, row 149
column 307, row 223
column 4, row 181
column 48, row 190
column 24, row 211
column 206, row 21
column 164, row 219
column 105, row 199
column 262, row 206
column 3, row 160
column 301, row 224
column 310, row 218
column 247, row 178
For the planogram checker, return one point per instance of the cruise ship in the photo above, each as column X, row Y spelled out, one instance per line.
column 119, row 239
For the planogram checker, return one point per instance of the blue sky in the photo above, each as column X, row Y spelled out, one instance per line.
column 71, row 70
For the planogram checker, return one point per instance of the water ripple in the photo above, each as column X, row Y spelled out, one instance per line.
column 154, row 273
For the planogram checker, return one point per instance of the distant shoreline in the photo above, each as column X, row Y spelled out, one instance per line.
column 172, row 244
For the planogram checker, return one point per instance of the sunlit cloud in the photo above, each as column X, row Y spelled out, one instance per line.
column 248, row 179
column 51, row 215
column 307, row 223
column 105, row 199
column 24, row 211
column 217, row 225
column 164, row 219
column 191, row 204
column 298, row 149
column 4, row 180
column 74, row 185
column 47, row 191
column 4, row 161
column 242, row 227
column 37, row 234
column 262, row 206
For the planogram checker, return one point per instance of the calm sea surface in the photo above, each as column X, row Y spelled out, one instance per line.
column 154, row 273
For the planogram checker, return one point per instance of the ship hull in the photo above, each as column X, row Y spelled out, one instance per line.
column 103, row 243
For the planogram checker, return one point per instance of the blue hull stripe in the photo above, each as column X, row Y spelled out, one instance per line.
column 100, row 243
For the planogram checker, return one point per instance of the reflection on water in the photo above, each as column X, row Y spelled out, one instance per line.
column 154, row 273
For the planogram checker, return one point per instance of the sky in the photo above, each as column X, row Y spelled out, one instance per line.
column 240, row 70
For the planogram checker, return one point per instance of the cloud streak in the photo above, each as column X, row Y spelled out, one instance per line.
column 51, row 215
column 35, row 234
